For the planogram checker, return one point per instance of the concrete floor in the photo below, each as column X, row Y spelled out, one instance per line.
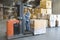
column 52, row 34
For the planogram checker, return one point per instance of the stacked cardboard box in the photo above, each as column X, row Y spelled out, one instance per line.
column 46, row 6
column 49, row 11
column 38, row 26
column 49, row 7
column 42, row 4
column 52, row 20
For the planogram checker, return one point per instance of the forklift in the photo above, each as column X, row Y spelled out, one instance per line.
column 20, row 27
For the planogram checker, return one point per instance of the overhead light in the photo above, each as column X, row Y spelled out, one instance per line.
column 30, row 0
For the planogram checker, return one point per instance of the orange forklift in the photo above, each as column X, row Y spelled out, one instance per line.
column 16, row 27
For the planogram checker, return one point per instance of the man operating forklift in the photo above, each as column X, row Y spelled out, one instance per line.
column 27, row 20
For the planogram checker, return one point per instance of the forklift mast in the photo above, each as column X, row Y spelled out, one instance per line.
column 20, row 8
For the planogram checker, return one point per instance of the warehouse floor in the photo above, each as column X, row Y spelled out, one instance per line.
column 52, row 34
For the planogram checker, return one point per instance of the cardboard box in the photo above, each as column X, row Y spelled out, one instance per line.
column 43, row 11
column 36, row 10
column 42, row 4
column 38, row 26
column 25, row 10
column 48, row 4
column 49, row 11
column 52, row 20
column 33, row 16
column 44, row 16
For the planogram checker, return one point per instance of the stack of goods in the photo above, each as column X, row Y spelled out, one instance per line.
column 38, row 26
column 52, row 21
column 46, row 7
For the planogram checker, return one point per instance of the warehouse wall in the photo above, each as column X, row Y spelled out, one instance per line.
column 56, row 6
